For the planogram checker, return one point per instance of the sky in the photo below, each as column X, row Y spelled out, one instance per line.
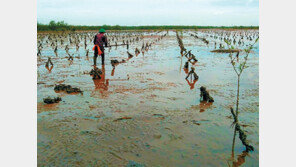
column 150, row 12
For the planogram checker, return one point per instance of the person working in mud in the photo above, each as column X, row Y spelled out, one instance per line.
column 99, row 41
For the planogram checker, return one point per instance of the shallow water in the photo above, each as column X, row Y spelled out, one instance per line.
column 168, row 125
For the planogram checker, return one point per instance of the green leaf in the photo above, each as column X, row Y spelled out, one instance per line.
column 240, row 66
column 233, row 63
column 226, row 41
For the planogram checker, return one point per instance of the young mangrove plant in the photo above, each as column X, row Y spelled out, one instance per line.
column 181, row 45
column 239, row 68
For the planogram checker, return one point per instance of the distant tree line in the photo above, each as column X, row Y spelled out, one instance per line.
column 62, row 26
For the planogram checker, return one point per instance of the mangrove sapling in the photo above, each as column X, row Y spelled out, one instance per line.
column 87, row 51
column 137, row 52
column 77, row 47
column 242, row 134
column 183, row 50
column 192, row 73
column 71, row 57
column 130, row 55
column 85, row 43
column 181, row 45
column 56, row 50
column 48, row 62
column 39, row 52
column 190, row 57
column 67, row 49
column 238, row 70
column 186, row 65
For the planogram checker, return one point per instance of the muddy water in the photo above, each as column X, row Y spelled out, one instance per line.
column 167, row 124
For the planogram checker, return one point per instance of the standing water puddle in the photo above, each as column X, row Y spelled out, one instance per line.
column 144, row 111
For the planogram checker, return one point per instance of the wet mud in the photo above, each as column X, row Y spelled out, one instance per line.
column 143, row 112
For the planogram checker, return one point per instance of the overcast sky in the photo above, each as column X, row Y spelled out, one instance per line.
column 150, row 12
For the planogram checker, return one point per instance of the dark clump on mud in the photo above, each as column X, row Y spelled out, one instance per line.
column 205, row 96
column 116, row 62
column 50, row 100
column 113, row 62
column 186, row 65
column 159, row 116
column 67, row 88
column 122, row 118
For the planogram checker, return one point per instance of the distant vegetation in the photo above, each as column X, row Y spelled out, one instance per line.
column 62, row 26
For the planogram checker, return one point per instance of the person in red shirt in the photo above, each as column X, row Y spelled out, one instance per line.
column 99, row 42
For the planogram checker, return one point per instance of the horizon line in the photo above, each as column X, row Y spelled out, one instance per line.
column 159, row 25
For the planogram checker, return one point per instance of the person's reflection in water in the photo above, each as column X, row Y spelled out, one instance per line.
column 103, row 83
